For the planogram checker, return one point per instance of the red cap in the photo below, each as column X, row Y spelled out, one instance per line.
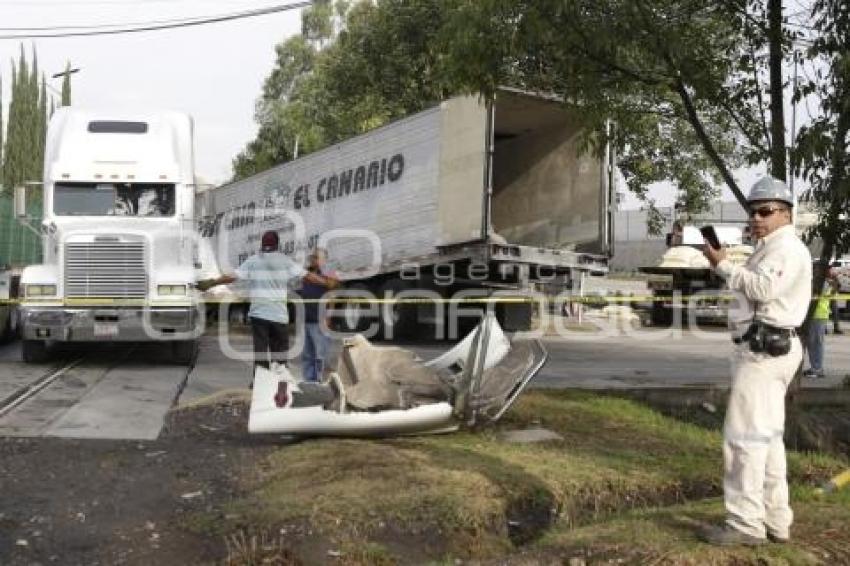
column 270, row 241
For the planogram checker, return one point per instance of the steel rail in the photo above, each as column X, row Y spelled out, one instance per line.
column 33, row 388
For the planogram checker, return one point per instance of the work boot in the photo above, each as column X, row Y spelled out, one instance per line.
column 724, row 535
column 776, row 538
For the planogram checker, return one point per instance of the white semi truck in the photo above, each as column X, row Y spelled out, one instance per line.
column 117, row 232
column 466, row 198
column 691, row 291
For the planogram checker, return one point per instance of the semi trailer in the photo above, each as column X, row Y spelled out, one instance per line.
column 470, row 198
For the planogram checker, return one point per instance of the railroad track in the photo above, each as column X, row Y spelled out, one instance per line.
column 33, row 388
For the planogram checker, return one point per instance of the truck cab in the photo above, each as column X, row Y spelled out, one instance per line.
column 117, row 233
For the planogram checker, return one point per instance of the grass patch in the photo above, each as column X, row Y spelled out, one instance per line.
column 668, row 536
column 620, row 465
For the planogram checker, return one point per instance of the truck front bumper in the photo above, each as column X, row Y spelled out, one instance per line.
column 88, row 324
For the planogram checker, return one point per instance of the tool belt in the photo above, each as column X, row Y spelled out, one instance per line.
column 765, row 338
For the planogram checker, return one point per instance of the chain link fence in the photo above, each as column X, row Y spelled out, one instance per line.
column 19, row 246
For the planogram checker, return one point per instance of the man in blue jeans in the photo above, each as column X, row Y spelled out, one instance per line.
column 315, row 329
column 817, row 328
column 266, row 276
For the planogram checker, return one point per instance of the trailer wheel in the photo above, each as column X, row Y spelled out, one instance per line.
column 15, row 321
column 514, row 317
column 10, row 327
column 34, row 351
column 398, row 320
column 183, row 351
column 660, row 316
column 355, row 317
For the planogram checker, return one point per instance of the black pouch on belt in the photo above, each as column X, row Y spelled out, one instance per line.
column 769, row 339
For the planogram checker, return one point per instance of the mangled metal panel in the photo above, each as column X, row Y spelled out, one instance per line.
column 387, row 390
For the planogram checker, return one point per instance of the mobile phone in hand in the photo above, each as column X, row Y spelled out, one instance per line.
column 710, row 236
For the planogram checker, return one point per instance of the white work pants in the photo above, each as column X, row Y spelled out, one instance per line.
column 754, row 485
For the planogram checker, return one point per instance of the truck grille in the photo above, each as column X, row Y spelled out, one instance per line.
column 105, row 269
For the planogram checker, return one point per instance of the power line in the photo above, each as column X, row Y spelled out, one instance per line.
column 120, row 25
column 151, row 26
column 31, row 4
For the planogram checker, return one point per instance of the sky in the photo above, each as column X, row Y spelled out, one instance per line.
column 664, row 193
column 214, row 72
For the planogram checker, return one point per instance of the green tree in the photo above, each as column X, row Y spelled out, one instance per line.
column 24, row 147
column 385, row 64
column 14, row 166
column 41, row 124
column 684, row 81
column 352, row 69
column 820, row 154
column 34, row 125
column 276, row 138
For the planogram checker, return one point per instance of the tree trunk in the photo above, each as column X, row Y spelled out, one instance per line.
column 778, row 166
column 708, row 146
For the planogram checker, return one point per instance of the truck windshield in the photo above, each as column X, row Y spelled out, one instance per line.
column 113, row 199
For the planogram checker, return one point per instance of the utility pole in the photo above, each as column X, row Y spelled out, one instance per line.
column 66, row 83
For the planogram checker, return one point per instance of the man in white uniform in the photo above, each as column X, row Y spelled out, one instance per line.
column 774, row 288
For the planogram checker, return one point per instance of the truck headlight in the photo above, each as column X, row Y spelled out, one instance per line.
column 171, row 290
column 40, row 290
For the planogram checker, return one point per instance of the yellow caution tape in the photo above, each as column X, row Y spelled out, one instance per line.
column 583, row 299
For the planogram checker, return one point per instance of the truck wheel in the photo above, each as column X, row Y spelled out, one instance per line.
column 398, row 320
column 7, row 331
column 514, row 317
column 355, row 317
column 661, row 316
column 15, row 325
column 34, row 351
column 183, row 351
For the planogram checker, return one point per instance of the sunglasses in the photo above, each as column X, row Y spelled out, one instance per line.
column 765, row 211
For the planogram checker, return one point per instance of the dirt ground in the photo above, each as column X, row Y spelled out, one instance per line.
column 108, row 502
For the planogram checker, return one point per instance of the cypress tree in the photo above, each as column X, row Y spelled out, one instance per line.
column 26, row 125
column 42, row 127
column 23, row 160
column 9, row 173
column 34, row 125
column 21, row 118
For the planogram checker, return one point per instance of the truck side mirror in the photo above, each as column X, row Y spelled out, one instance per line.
column 20, row 202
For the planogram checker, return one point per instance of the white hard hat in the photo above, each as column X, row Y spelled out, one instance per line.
column 770, row 188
